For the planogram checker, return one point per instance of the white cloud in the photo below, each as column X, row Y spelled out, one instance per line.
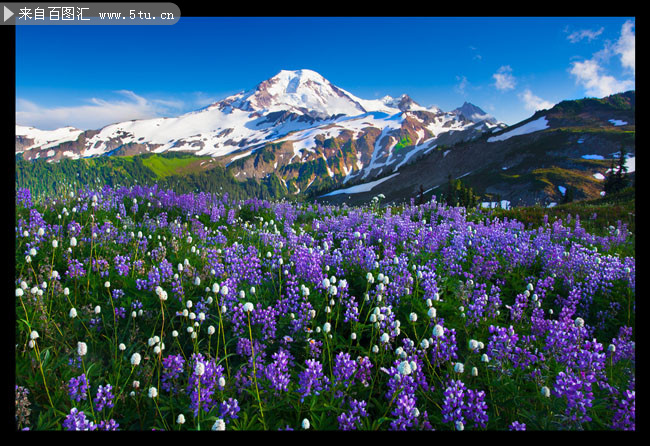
column 590, row 74
column 96, row 113
column 534, row 103
column 626, row 47
column 588, row 34
column 462, row 85
column 503, row 79
column 476, row 56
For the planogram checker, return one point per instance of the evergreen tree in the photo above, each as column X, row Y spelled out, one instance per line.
column 616, row 179
column 568, row 195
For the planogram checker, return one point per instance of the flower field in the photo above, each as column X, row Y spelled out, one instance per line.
column 142, row 309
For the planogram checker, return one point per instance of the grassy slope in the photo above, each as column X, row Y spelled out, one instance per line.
column 164, row 167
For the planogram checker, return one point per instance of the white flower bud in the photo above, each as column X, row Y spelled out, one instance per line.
column 404, row 368
column 219, row 425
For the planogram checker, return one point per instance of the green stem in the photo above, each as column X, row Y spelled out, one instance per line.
column 259, row 401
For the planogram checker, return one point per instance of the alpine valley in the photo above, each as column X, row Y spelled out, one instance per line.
column 298, row 135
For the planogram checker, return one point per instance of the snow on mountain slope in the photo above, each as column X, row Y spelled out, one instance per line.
column 47, row 138
column 529, row 127
column 360, row 187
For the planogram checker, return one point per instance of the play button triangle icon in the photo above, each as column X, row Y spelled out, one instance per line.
column 7, row 13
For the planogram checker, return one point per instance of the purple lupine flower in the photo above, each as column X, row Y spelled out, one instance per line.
column 24, row 197
column 624, row 345
column 104, row 397
column 444, row 347
column 315, row 348
column 461, row 403
column 577, row 390
column 77, row 421
column 312, row 380
column 277, row 372
column 363, row 373
column 110, row 425
column 624, row 417
column 344, row 368
column 228, row 409
column 405, row 412
column 173, row 366
column 452, row 406
column 352, row 419
column 75, row 269
column 475, row 407
column 207, row 373
column 78, row 388
column 517, row 426
column 122, row 264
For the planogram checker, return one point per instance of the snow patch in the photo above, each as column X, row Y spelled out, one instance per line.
column 617, row 122
column 236, row 157
column 503, row 204
column 366, row 187
column 530, row 127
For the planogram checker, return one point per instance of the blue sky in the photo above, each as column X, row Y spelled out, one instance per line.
column 91, row 76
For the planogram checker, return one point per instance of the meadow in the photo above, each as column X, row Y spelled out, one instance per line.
column 142, row 309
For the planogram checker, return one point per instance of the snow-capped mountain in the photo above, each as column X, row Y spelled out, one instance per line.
column 301, row 92
column 474, row 113
column 296, row 120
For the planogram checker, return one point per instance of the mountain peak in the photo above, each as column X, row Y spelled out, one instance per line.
column 474, row 113
column 299, row 91
column 403, row 103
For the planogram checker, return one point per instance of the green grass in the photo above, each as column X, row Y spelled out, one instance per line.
column 404, row 142
column 164, row 167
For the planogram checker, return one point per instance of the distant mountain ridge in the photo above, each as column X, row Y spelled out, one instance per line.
column 568, row 147
column 474, row 113
column 296, row 125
